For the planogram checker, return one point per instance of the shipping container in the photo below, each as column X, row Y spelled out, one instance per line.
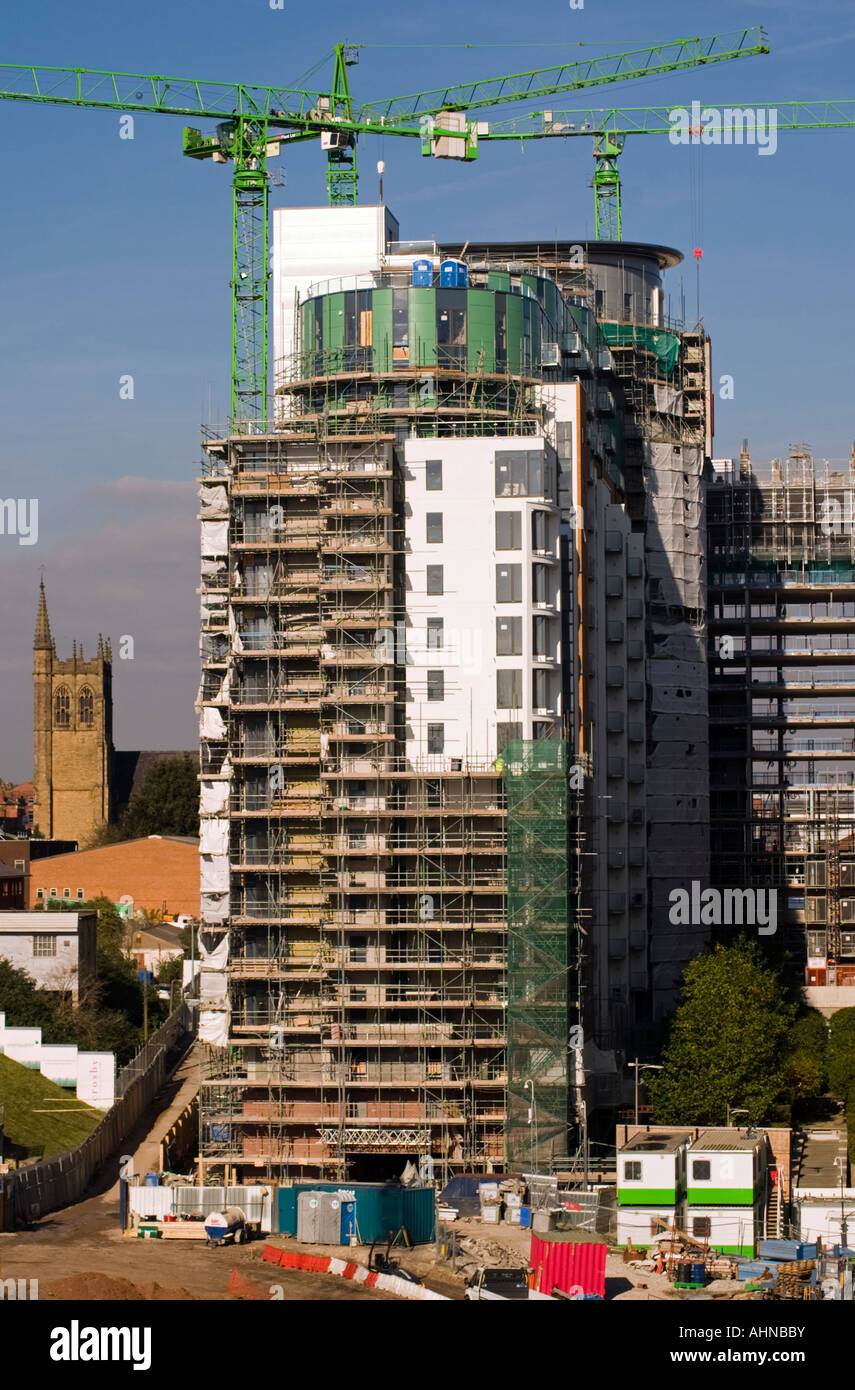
column 561, row 1263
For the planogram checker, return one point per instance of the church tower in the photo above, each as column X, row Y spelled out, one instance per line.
column 73, row 733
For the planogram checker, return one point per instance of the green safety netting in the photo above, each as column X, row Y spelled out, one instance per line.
column 665, row 345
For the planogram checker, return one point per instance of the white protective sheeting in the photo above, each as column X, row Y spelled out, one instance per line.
column 223, row 694
column 214, row 907
column 215, row 538
column 214, row 836
column 214, row 798
column 214, row 501
column 213, row 987
column 214, row 1026
column 217, row 957
column 214, row 873
column 212, row 725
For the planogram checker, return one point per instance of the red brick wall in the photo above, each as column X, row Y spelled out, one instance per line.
column 158, row 874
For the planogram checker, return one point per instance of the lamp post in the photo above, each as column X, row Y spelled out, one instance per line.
column 639, row 1067
column 731, row 1113
column 532, row 1122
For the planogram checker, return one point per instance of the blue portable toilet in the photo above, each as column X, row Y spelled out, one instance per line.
column 348, row 1221
column 454, row 275
column 422, row 275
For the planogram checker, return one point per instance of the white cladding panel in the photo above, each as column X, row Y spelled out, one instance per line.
column 468, row 605
column 315, row 244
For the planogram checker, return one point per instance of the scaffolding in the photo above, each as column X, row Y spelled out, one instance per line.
column 544, row 941
column 782, row 696
column 365, row 924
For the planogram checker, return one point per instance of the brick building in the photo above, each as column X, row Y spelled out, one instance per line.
column 158, row 873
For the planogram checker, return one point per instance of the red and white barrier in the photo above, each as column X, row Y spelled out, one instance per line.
column 348, row 1269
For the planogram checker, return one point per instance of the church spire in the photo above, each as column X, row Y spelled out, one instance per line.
column 43, row 640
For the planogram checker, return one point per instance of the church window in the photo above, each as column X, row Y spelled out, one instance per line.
column 86, row 708
column 62, row 707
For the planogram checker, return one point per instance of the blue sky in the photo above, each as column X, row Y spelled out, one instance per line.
column 115, row 260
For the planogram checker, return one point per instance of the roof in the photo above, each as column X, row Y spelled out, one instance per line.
column 122, row 845
column 158, row 934
column 598, row 251
column 817, row 1163
column 660, row 1143
column 24, row 922
column 725, row 1141
column 7, row 872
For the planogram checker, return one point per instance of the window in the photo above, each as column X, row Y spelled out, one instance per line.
column 80, row 893
column 435, row 634
column 435, row 738
column 508, row 531
column 509, row 583
column 505, row 733
column 433, row 527
column 509, row 689
column 358, row 995
column 540, row 531
column 66, row 892
column 40, row 892
column 86, row 708
column 436, row 685
column 540, row 583
column 62, row 707
column 44, row 945
column 632, row 1171
column 540, row 637
column 435, row 579
column 702, row 1226
column 540, row 689
column 433, row 475
column 358, row 950
column 701, row 1170
column 509, row 637
column 523, row 473
column 400, row 325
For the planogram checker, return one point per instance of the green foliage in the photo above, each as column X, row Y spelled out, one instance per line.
column 167, row 802
column 849, row 1111
column 41, row 1118
column 727, row 1041
column 805, row 1065
column 841, row 1053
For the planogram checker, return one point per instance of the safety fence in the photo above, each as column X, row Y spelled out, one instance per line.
column 29, row 1193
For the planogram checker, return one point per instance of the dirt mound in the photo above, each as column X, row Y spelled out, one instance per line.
column 94, row 1288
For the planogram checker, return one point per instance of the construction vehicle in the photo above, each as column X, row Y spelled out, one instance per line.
column 497, row 1285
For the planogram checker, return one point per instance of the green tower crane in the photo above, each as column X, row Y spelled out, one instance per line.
column 253, row 122
column 610, row 127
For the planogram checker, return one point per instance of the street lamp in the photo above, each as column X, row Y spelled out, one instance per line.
column 731, row 1113
column 641, row 1066
column 532, row 1122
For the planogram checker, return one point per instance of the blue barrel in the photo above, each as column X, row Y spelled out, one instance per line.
column 422, row 274
column 525, row 1216
column 698, row 1273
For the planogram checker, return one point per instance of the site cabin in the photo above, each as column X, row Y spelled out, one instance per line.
column 651, row 1184
column 726, row 1189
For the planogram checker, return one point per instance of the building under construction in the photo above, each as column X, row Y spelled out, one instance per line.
column 425, row 799
column 782, row 659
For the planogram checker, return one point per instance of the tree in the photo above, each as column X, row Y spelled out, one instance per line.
column 727, row 1040
column 167, row 802
column 841, row 1053
column 805, row 1064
